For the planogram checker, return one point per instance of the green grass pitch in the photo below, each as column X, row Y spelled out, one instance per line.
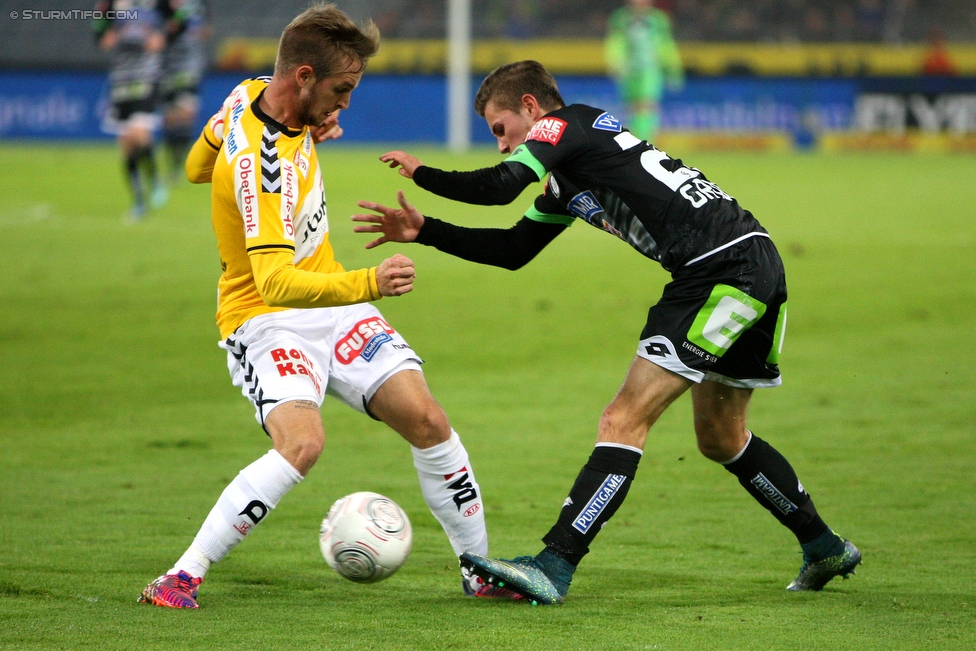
column 119, row 426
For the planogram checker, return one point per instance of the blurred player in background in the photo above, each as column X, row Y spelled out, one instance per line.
column 135, row 41
column 184, row 62
column 717, row 330
column 296, row 325
column 643, row 59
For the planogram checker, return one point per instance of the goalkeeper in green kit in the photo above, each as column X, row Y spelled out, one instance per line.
column 642, row 58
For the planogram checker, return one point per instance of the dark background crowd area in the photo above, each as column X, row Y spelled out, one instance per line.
column 61, row 43
column 882, row 21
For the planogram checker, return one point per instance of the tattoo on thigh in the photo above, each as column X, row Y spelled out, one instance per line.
column 305, row 404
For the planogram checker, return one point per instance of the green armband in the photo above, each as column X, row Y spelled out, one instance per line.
column 537, row 216
column 522, row 155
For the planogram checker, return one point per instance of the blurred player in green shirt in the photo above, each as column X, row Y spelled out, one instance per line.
column 642, row 57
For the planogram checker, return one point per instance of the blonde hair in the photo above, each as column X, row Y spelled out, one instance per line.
column 326, row 39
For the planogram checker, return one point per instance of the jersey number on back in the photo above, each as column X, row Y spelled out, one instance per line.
column 683, row 180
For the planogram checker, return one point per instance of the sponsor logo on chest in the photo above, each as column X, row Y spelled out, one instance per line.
column 547, row 130
column 311, row 222
column 236, row 140
column 289, row 198
column 245, row 182
column 301, row 163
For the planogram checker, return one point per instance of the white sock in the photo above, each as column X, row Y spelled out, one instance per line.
column 243, row 504
column 453, row 495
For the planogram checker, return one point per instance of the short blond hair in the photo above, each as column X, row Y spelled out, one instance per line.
column 326, row 39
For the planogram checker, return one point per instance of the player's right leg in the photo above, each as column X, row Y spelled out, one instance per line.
column 598, row 492
column 277, row 371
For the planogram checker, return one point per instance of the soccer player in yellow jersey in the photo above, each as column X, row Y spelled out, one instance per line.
column 295, row 324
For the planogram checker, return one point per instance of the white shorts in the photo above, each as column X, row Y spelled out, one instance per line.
column 347, row 352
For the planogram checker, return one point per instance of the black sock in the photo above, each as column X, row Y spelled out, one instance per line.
column 178, row 142
column 600, row 489
column 770, row 478
column 132, row 176
column 147, row 161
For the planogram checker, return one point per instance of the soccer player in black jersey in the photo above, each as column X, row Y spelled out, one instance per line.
column 132, row 33
column 717, row 329
column 184, row 62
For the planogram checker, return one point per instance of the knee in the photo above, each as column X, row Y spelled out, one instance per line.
column 619, row 426
column 429, row 426
column 717, row 441
column 303, row 451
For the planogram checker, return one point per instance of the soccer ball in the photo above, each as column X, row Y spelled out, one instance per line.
column 365, row 537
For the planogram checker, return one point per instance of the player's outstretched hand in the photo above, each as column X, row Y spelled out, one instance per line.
column 395, row 275
column 397, row 224
column 407, row 163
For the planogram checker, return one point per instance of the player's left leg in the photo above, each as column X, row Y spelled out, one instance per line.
column 447, row 478
column 720, row 427
column 137, row 143
column 374, row 370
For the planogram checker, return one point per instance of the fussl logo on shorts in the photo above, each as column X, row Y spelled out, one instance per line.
column 364, row 339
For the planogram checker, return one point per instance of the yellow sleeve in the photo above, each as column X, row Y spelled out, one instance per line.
column 281, row 284
column 200, row 161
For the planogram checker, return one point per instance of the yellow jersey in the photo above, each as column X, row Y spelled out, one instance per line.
column 269, row 214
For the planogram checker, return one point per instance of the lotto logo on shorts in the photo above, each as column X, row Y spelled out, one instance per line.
column 363, row 340
column 547, row 130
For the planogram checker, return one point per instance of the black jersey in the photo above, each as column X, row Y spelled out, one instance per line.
column 135, row 70
column 601, row 173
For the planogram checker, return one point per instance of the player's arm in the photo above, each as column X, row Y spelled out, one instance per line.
column 281, row 284
column 201, row 157
column 490, row 186
column 270, row 242
column 510, row 248
column 203, row 154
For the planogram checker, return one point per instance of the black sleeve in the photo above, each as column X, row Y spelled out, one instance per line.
column 507, row 248
column 490, row 186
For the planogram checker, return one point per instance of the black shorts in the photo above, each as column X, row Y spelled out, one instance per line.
column 722, row 319
column 122, row 111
